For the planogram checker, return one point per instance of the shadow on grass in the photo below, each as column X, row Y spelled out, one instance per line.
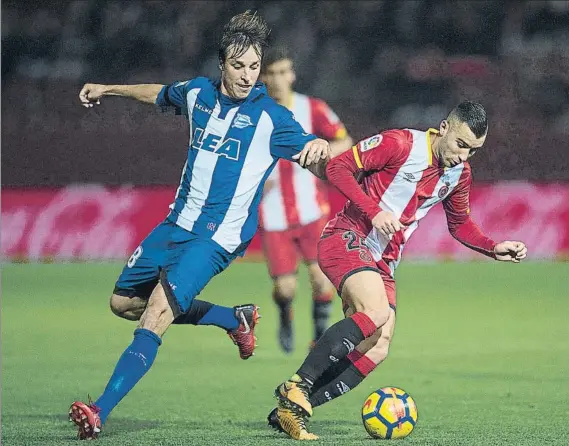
column 117, row 425
column 62, row 430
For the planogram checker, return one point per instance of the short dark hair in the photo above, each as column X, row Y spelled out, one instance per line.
column 473, row 114
column 241, row 32
column 276, row 53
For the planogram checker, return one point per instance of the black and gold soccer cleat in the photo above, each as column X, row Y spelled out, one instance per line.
column 294, row 394
column 292, row 423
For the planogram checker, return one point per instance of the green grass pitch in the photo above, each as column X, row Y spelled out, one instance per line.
column 482, row 347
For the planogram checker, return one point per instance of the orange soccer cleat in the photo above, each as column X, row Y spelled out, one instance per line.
column 86, row 418
column 244, row 335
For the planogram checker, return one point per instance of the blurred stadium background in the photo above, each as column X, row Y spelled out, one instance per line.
column 89, row 184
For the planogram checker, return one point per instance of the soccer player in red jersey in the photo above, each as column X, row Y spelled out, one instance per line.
column 295, row 208
column 401, row 175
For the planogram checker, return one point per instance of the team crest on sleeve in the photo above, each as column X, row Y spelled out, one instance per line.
column 370, row 143
column 241, row 121
column 444, row 190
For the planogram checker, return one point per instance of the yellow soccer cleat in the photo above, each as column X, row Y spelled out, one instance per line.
column 294, row 394
column 293, row 424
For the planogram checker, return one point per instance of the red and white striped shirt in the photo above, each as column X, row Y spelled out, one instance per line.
column 296, row 196
column 401, row 176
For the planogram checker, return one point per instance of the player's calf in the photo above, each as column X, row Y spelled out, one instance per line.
column 352, row 370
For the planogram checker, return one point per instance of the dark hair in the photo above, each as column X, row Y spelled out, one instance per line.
column 241, row 32
column 473, row 114
column 275, row 54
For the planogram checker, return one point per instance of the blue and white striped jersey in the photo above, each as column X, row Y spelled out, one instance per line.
column 233, row 147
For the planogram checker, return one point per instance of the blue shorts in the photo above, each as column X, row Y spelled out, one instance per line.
column 181, row 261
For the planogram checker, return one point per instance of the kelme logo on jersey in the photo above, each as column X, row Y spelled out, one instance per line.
column 241, row 121
column 228, row 148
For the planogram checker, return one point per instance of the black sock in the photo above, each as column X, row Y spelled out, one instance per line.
column 331, row 373
column 285, row 308
column 343, row 377
column 197, row 310
column 336, row 343
column 320, row 315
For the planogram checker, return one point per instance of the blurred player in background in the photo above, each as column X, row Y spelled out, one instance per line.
column 238, row 133
column 403, row 174
column 295, row 207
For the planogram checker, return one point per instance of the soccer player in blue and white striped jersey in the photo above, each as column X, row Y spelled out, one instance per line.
column 237, row 135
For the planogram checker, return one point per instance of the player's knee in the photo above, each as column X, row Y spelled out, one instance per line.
column 120, row 305
column 321, row 286
column 284, row 288
column 130, row 308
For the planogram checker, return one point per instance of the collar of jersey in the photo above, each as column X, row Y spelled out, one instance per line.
column 258, row 89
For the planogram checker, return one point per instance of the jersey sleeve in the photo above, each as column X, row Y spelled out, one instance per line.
column 288, row 137
column 377, row 152
column 457, row 204
column 460, row 224
column 374, row 153
column 325, row 123
column 174, row 95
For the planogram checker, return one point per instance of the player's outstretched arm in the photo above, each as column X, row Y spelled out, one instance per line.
column 462, row 227
column 91, row 94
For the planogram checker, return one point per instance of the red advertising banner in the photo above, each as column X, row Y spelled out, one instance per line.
column 99, row 222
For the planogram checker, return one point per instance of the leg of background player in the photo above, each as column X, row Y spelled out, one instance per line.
column 322, row 295
column 282, row 262
column 350, row 372
column 284, row 290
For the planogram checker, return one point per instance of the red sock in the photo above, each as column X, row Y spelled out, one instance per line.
column 365, row 324
column 361, row 362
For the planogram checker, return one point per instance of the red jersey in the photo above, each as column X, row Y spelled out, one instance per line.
column 298, row 197
column 400, row 175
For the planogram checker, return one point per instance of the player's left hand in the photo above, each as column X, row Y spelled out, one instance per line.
column 313, row 152
column 510, row 251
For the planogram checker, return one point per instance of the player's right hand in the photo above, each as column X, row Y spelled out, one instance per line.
column 91, row 94
column 386, row 223
column 314, row 151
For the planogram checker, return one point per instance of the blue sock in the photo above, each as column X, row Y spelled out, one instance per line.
column 206, row 313
column 132, row 365
column 222, row 317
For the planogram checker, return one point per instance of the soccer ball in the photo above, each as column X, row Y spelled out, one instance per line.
column 389, row 413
